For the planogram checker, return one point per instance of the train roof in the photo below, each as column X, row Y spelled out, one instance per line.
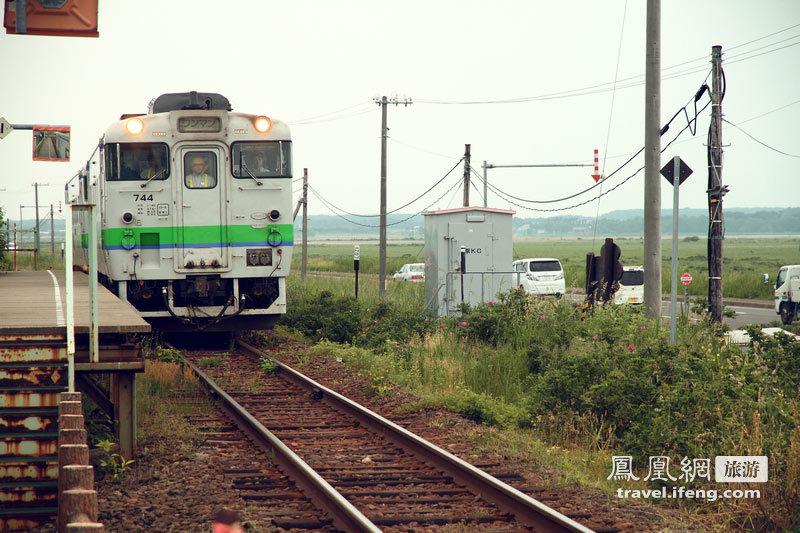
column 189, row 100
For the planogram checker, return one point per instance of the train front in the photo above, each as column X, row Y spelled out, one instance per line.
column 198, row 227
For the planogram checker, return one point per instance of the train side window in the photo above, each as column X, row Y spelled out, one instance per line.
column 200, row 170
column 261, row 159
column 137, row 161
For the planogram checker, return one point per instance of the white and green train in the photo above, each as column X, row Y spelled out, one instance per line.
column 195, row 211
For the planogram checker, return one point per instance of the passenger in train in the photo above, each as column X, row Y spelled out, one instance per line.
column 154, row 169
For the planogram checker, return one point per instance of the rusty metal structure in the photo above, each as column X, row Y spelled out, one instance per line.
column 32, row 374
column 34, row 370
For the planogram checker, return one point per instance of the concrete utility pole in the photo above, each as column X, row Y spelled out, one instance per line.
column 466, row 175
column 304, row 261
column 652, row 163
column 383, row 102
column 715, row 189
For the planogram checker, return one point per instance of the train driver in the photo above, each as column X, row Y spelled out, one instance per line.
column 259, row 165
column 197, row 176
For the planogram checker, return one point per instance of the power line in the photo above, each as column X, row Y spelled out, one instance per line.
column 405, row 205
column 503, row 194
column 331, row 207
column 770, row 112
column 664, row 129
column 610, row 116
column 764, row 37
column 632, row 81
column 348, row 108
column 421, row 149
column 340, row 117
column 759, row 142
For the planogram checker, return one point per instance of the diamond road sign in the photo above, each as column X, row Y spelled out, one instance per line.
column 5, row 127
column 669, row 171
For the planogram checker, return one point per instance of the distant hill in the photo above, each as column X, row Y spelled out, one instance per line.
column 627, row 214
column 627, row 223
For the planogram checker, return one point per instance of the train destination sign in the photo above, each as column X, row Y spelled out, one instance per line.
column 199, row 124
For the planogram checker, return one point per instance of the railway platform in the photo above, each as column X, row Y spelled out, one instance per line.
column 34, row 370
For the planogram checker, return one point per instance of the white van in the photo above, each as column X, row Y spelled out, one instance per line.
column 411, row 272
column 631, row 286
column 787, row 293
column 539, row 275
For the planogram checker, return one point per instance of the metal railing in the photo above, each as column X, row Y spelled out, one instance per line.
column 450, row 276
column 94, row 330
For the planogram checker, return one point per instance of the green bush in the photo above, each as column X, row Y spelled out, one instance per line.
column 485, row 409
column 324, row 316
column 386, row 324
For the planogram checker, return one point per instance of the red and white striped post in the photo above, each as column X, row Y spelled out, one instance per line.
column 596, row 176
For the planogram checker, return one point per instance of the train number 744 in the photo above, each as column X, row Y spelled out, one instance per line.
column 143, row 197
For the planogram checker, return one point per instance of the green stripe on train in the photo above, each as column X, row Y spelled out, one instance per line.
column 171, row 235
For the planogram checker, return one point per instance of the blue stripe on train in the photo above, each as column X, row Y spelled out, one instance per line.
column 197, row 245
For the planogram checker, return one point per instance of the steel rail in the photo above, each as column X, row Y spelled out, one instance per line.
column 345, row 516
column 527, row 510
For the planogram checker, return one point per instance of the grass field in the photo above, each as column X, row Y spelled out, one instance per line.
column 744, row 264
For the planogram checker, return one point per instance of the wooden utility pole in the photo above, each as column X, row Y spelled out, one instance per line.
column 652, row 163
column 382, row 231
column 36, row 227
column 466, row 175
column 305, row 226
column 383, row 102
column 52, row 233
column 715, row 189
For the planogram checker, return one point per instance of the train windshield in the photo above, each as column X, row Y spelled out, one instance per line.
column 261, row 159
column 137, row 161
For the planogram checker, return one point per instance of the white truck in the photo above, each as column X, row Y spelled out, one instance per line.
column 787, row 293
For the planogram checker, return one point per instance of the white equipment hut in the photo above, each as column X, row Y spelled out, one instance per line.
column 485, row 234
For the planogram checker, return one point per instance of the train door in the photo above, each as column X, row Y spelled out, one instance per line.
column 202, row 232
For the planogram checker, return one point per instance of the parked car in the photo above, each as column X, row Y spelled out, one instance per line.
column 539, row 275
column 631, row 286
column 411, row 272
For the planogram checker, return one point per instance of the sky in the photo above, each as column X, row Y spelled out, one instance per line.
column 555, row 80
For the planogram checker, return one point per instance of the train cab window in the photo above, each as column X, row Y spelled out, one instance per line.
column 200, row 170
column 136, row 161
column 261, row 159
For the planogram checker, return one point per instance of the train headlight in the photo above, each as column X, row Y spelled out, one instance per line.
column 263, row 124
column 274, row 214
column 127, row 217
column 135, row 126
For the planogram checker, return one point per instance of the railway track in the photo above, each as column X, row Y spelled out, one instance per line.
column 365, row 472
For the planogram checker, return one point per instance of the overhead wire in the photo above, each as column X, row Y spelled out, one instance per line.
column 407, row 204
column 759, row 142
column 502, row 193
column 340, row 117
column 314, row 118
column 421, row 149
column 331, row 207
column 610, row 117
column 631, row 81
